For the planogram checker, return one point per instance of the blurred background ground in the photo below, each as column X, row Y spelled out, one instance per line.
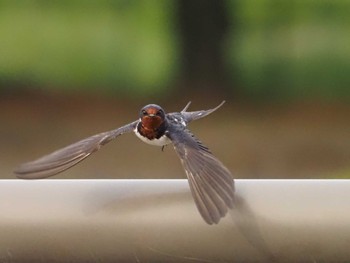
column 71, row 69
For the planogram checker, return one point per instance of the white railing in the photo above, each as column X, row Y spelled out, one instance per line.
column 157, row 221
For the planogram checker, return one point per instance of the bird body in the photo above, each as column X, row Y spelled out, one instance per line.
column 161, row 141
column 211, row 183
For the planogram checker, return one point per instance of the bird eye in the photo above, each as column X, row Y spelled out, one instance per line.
column 159, row 112
column 144, row 112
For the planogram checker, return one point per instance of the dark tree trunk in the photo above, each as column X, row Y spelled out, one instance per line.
column 203, row 25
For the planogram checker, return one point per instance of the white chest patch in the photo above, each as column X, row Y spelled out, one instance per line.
column 164, row 140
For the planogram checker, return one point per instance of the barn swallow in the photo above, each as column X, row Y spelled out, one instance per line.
column 211, row 183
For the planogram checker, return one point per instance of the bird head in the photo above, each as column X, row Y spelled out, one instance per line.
column 152, row 116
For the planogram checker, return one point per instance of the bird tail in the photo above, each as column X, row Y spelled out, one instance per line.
column 194, row 115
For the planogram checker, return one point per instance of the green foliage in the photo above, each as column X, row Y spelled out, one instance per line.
column 275, row 49
column 73, row 44
column 291, row 49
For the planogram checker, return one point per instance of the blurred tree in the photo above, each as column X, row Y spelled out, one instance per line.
column 203, row 26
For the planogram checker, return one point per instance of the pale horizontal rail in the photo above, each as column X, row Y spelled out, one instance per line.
column 157, row 221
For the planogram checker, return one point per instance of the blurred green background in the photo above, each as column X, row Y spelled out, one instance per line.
column 69, row 69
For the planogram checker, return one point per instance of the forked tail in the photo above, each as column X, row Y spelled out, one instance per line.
column 195, row 115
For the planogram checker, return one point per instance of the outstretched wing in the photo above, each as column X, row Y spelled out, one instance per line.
column 211, row 183
column 69, row 156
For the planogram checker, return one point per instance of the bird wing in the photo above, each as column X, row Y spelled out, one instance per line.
column 211, row 183
column 69, row 156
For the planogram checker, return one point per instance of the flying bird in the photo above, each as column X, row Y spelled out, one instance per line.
column 211, row 183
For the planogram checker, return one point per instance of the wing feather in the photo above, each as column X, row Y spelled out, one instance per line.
column 68, row 156
column 201, row 199
column 211, row 183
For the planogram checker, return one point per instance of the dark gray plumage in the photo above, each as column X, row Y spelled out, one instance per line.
column 211, row 183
